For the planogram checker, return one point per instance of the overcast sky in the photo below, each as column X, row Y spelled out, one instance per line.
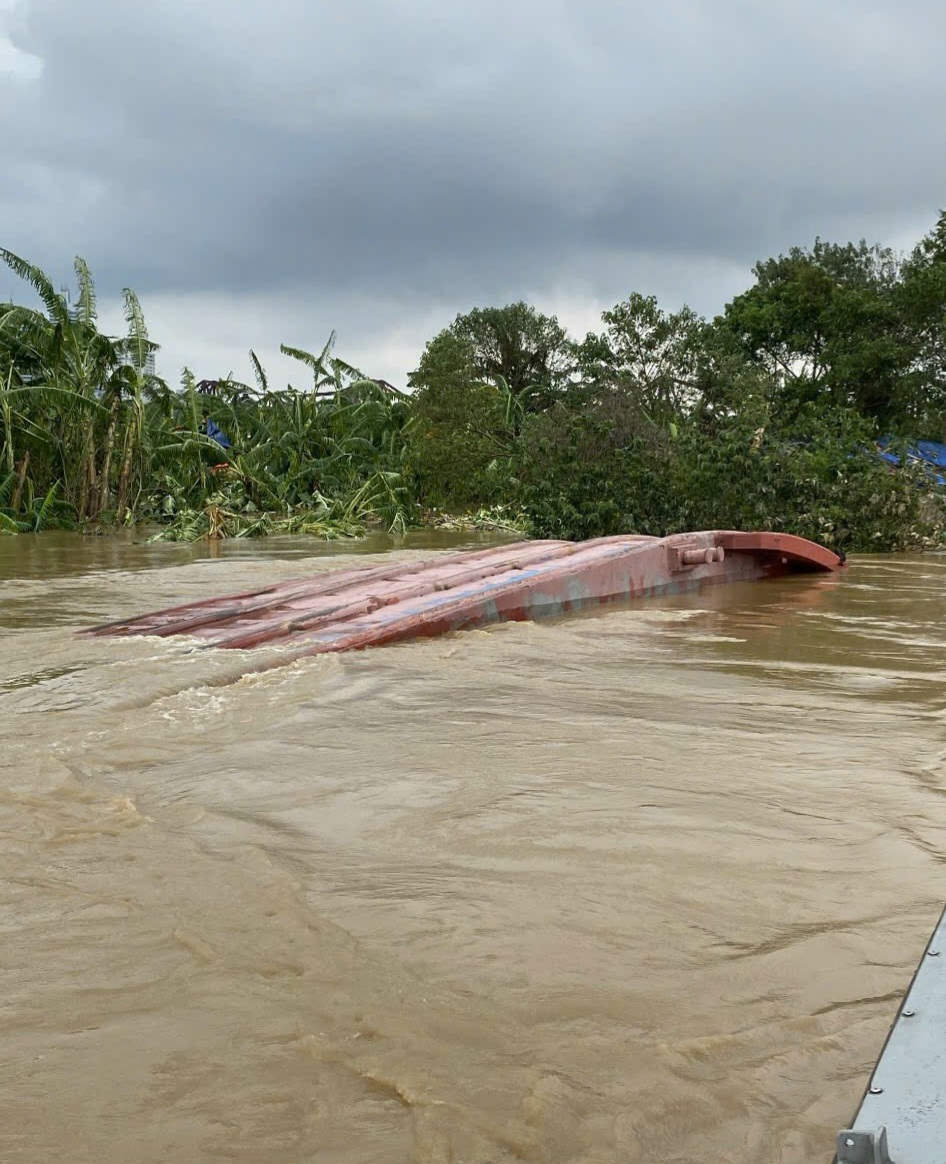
column 268, row 170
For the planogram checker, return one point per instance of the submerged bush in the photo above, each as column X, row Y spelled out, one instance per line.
column 819, row 478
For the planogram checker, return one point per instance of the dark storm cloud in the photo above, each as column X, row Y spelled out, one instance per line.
column 417, row 149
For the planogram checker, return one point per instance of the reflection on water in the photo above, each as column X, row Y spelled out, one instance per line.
column 639, row 886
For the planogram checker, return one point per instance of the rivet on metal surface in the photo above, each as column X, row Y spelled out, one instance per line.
column 876, row 1090
column 856, row 1147
column 908, row 1013
column 932, row 953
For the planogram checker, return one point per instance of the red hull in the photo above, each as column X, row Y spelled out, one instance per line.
column 352, row 609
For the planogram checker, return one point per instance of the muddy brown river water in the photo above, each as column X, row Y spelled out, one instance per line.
column 641, row 886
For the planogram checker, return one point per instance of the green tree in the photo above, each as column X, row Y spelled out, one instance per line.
column 463, row 426
column 825, row 324
column 921, row 298
column 527, row 351
column 646, row 363
column 76, row 392
column 329, row 373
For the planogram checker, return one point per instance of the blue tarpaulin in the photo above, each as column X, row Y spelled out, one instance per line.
column 930, row 453
column 217, row 434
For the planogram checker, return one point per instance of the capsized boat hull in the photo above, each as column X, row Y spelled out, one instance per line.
column 373, row 606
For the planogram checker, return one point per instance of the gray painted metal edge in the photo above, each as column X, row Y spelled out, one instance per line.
column 902, row 1116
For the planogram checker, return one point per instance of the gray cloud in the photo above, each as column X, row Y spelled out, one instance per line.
column 421, row 154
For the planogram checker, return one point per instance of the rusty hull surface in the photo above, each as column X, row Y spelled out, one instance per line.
column 372, row 606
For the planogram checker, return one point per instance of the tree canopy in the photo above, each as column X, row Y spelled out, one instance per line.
column 765, row 416
column 517, row 346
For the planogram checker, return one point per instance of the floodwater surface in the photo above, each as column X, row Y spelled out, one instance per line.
column 639, row 886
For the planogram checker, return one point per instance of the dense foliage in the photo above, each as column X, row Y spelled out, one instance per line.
column 766, row 416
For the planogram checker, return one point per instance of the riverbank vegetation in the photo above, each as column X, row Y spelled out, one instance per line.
column 764, row 417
